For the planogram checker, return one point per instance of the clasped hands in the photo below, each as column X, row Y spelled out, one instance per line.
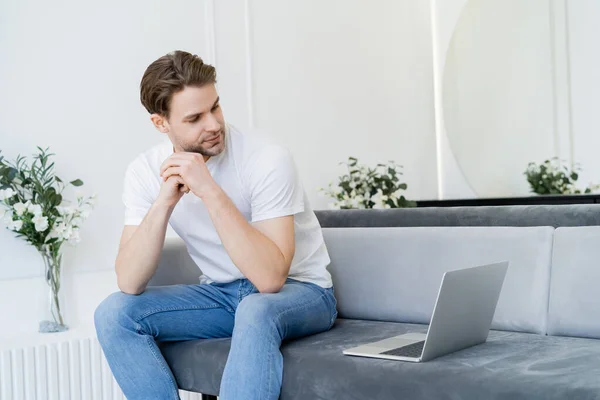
column 192, row 170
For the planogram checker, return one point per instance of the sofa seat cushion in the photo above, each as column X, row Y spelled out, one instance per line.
column 509, row 365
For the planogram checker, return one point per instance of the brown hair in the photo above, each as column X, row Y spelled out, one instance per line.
column 170, row 74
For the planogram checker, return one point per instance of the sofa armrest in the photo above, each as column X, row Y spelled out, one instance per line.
column 175, row 265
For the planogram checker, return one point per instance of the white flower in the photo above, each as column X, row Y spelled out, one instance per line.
column 377, row 198
column 84, row 212
column 15, row 225
column 41, row 223
column 20, row 208
column 74, row 238
column 58, row 229
column 76, row 221
column 397, row 194
column 35, row 209
column 7, row 193
column 66, row 234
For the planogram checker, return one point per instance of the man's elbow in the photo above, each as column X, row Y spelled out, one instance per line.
column 273, row 284
column 130, row 288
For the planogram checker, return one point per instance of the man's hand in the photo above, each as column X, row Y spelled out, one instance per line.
column 191, row 168
column 171, row 191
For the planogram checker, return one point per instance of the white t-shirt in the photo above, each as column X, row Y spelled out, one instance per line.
column 261, row 180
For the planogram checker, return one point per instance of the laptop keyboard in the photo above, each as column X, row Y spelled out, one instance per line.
column 411, row 350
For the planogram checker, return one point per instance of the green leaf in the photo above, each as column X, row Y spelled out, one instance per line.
column 58, row 179
column 77, row 182
column 12, row 172
column 402, row 186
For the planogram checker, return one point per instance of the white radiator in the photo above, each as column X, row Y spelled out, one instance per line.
column 74, row 370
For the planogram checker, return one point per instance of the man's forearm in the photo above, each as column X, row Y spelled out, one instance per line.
column 255, row 255
column 138, row 257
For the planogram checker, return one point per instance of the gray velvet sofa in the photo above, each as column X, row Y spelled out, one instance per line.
column 387, row 267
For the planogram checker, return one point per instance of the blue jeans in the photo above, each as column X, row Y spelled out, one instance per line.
column 128, row 327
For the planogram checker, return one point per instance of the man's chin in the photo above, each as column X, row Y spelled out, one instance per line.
column 210, row 152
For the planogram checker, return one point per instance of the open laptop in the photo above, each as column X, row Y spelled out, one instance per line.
column 461, row 318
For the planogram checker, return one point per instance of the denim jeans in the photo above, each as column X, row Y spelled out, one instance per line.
column 128, row 327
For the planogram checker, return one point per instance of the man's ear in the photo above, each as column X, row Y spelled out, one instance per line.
column 160, row 122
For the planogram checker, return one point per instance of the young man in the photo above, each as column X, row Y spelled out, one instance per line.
column 237, row 202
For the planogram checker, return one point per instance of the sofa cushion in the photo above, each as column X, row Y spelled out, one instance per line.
column 509, row 366
column 394, row 274
column 574, row 307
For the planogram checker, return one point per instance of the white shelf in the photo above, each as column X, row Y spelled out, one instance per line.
column 33, row 339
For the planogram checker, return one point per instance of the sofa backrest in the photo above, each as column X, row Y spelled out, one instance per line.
column 175, row 265
column 524, row 215
column 574, row 306
column 394, row 274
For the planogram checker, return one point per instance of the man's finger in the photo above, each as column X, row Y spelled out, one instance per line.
column 176, row 159
column 170, row 172
column 169, row 162
column 182, row 186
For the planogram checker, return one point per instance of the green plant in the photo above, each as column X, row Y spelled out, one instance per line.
column 551, row 177
column 364, row 187
column 32, row 206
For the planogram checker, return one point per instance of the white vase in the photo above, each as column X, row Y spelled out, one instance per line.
column 52, row 313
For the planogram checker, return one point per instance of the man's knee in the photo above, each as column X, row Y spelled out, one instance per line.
column 256, row 310
column 117, row 310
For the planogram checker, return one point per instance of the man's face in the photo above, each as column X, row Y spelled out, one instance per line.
column 195, row 122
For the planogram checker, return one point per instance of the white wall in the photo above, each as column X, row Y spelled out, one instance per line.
column 327, row 79
column 584, row 74
column 514, row 82
column 354, row 79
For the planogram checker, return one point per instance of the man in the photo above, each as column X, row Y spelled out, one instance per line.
column 237, row 202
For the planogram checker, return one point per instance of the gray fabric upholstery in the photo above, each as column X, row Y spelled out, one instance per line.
column 509, row 366
column 394, row 274
column 538, row 215
column 574, row 307
column 175, row 265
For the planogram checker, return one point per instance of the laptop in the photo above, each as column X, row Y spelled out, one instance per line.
column 461, row 318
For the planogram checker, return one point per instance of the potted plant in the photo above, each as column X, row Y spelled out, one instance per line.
column 364, row 187
column 551, row 177
column 33, row 207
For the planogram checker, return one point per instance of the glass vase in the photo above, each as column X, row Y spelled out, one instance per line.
column 52, row 317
